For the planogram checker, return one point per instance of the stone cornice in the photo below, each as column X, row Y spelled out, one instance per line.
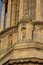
column 37, row 22
column 34, row 22
column 27, row 19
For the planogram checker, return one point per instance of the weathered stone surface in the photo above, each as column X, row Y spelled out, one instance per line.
column 21, row 43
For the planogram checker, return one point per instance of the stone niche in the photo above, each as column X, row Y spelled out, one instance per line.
column 8, row 39
column 25, row 32
column 38, row 33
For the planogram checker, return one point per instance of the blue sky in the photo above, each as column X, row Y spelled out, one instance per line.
column 0, row 9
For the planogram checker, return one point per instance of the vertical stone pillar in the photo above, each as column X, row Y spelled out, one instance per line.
column 25, row 5
column 13, row 14
column 8, row 22
column 17, row 14
column 3, row 16
column 21, row 9
column 38, row 10
column 14, row 9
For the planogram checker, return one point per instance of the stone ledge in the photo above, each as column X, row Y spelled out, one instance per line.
column 25, row 61
column 29, row 44
column 20, row 46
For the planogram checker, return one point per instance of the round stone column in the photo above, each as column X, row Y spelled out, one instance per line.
column 38, row 10
column 21, row 10
column 3, row 15
column 8, row 22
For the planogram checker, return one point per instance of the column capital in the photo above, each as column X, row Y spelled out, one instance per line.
column 4, row 1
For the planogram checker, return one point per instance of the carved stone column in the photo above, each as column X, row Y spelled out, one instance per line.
column 38, row 10
column 3, row 15
column 21, row 9
column 13, row 14
column 8, row 22
column 25, row 5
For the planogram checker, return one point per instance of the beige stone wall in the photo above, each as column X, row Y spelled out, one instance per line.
column 24, row 40
column 17, row 35
column 20, row 50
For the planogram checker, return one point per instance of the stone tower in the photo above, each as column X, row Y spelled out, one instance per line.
column 21, row 32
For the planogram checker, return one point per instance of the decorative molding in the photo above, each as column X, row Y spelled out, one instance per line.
column 25, row 61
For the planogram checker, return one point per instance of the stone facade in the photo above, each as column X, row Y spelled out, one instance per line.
column 21, row 33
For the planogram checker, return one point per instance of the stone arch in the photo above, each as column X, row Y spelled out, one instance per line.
column 23, row 30
column 10, row 40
